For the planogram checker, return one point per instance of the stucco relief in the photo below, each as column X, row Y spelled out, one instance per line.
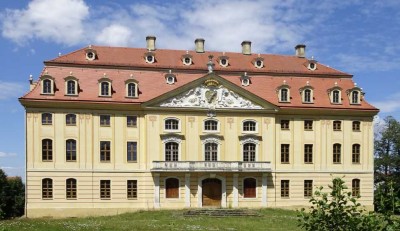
column 210, row 97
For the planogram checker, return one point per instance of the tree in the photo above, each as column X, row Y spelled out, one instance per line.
column 387, row 167
column 339, row 210
column 3, row 194
column 12, row 196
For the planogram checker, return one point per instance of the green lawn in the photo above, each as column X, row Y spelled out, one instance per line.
column 270, row 219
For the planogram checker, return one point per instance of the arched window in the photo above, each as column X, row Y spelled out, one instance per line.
column 307, row 98
column 249, row 188
column 71, row 87
column 47, row 119
column 355, row 156
column 131, row 90
column 47, row 86
column 70, row 119
column 249, row 126
column 171, row 125
column 211, row 152
column 355, row 188
column 47, row 188
column 105, row 89
column 337, row 151
column 47, row 150
column 249, row 152
column 172, row 188
column 355, row 97
column 284, row 95
column 70, row 188
column 335, row 96
column 171, row 151
column 211, row 125
column 70, row 150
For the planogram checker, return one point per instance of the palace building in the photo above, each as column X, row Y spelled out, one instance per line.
column 115, row 129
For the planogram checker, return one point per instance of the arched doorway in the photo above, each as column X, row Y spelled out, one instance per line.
column 212, row 192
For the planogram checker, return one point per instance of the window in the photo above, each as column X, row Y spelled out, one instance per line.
column 307, row 98
column 336, row 96
column 355, row 97
column 105, row 89
column 70, row 150
column 47, row 119
column 284, row 188
column 337, row 153
column 249, row 152
column 187, row 61
column 284, row 95
column 211, row 152
column 131, row 152
column 170, row 78
column 105, row 151
column 47, row 150
column 355, row 187
column 47, row 188
column 259, row 63
column 172, row 188
column 285, row 124
column 224, row 62
column 337, row 125
column 131, row 89
column 171, row 151
column 71, row 87
column 308, row 124
column 70, row 188
column 312, row 66
column 131, row 189
column 171, row 124
column 308, row 153
column 47, row 87
column 210, row 125
column 131, row 121
column 245, row 82
column 70, row 119
column 356, row 126
column 284, row 153
column 308, row 184
column 249, row 126
column 249, row 188
column 149, row 59
column 105, row 189
column 105, row 120
column 355, row 156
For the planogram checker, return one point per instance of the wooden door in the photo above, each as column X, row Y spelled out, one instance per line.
column 212, row 192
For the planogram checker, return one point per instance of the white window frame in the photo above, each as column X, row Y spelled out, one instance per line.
column 187, row 63
column 224, row 65
column 172, row 130
column 105, row 80
column 211, row 140
column 51, row 79
column 246, row 141
column 172, row 139
column 211, row 131
column 358, row 97
column 258, row 66
column 303, row 95
column 250, row 132
column 332, row 96
column 75, row 80
column 127, row 83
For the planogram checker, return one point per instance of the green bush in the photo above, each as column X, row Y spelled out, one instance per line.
column 12, row 196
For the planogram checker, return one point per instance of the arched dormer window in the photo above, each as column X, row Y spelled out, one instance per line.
column 335, row 95
column 105, row 87
column 223, row 61
column 259, row 62
column 245, row 79
column 312, row 64
column 187, row 59
column 150, row 57
column 71, row 85
column 283, row 93
column 170, row 78
column 131, row 88
column 47, row 84
column 90, row 53
column 355, row 95
column 307, row 94
column 211, row 125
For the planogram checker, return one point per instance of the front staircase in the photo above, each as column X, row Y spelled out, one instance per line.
column 222, row 213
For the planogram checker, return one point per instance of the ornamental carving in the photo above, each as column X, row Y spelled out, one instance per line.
column 210, row 97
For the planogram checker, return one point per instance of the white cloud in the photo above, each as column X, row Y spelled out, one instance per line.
column 388, row 104
column 10, row 90
column 58, row 21
column 114, row 35
column 7, row 154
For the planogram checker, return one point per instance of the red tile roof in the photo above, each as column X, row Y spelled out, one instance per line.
column 118, row 64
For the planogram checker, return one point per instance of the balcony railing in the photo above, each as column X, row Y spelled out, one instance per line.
column 210, row 166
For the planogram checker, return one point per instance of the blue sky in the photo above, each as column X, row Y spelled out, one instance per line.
column 355, row 36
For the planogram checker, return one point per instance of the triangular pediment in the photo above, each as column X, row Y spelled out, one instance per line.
column 211, row 92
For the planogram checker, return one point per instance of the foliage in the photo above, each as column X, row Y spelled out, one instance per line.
column 12, row 196
column 387, row 167
column 339, row 210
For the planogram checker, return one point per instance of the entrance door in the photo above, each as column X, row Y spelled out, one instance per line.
column 212, row 192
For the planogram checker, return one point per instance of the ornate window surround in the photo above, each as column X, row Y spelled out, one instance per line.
column 76, row 80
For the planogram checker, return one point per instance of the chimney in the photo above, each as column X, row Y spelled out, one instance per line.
column 246, row 47
column 199, row 42
column 151, row 43
column 300, row 50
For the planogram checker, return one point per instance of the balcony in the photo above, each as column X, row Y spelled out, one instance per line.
column 209, row 166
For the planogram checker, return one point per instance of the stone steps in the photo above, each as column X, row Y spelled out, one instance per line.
column 221, row 213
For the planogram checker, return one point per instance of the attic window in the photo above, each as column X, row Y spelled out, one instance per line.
column 312, row 64
column 259, row 62
column 170, row 78
column 90, row 53
column 149, row 57
column 245, row 80
column 223, row 60
column 187, row 59
column 47, row 84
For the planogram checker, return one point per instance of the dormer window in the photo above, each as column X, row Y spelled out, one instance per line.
column 105, row 87
column 71, row 85
column 170, row 78
column 90, row 53
column 187, row 59
column 223, row 61
column 47, row 84
column 259, row 62
column 283, row 93
column 307, row 94
column 335, row 95
column 131, row 88
column 245, row 79
column 149, row 57
column 355, row 95
column 311, row 64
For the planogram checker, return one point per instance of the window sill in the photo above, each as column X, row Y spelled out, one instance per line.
column 308, row 130
column 308, row 163
column 285, row 162
column 337, row 163
column 284, row 101
column 47, row 199
column 71, row 161
column 285, row 129
column 105, row 125
column 49, row 94
column 47, row 161
column 132, row 161
column 132, row 199
column 132, row 97
column 71, row 199
column 308, row 102
column 105, row 161
column 72, row 95
column 105, row 96
column 356, row 130
column 285, row 198
column 105, row 199
column 70, row 125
